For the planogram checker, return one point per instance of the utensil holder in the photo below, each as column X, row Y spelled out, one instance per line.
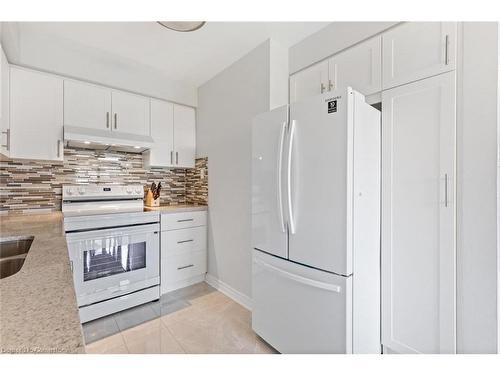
column 150, row 202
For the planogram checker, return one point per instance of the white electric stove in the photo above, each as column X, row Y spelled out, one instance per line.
column 114, row 247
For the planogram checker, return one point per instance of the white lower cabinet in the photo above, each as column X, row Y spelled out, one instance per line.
column 418, row 217
column 183, row 249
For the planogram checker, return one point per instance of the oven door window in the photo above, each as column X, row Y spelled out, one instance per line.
column 113, row 259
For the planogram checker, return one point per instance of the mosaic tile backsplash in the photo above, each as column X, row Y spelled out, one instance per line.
column 35, row 186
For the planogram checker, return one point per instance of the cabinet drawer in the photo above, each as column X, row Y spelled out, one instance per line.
column 180, row 267
column 182, row 241
column 182, row 220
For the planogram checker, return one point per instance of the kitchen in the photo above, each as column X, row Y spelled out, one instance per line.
column 340, row 199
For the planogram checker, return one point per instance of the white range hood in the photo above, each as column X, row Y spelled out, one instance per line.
column 96, row 139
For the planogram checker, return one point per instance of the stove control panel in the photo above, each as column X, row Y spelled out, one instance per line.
column 102, row 192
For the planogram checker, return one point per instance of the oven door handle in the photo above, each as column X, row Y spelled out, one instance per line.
column 82, row 235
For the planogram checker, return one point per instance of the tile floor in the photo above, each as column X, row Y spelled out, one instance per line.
column 196, row 319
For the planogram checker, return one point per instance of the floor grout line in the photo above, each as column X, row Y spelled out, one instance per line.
column 125, row 342
column 175, row 338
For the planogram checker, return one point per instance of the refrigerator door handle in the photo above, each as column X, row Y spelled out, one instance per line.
column 280, row 164
column 289, row 178
column 300, row 279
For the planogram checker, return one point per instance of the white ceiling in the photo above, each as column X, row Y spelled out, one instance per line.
column 191, row 58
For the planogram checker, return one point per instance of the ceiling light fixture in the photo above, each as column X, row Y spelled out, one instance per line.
column 182, row 26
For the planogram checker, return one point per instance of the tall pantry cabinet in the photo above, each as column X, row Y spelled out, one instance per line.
column 418, row 189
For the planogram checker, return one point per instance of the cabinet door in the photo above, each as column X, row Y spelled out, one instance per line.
column 309, row 82
column 417, row 50
column 4, row 105
column 36, row 115
column 418, row 222
column 359, row 67
column 130, row 113
column 162, row 131
column 184, row 136
column 87, row 105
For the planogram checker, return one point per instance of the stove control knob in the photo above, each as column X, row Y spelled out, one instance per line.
column 129, row 191
column 69, row 191
column 81, row 190
column 138, row 191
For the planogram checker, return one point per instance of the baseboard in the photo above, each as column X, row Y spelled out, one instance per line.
column 232, row 293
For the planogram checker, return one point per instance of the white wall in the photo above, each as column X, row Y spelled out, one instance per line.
column 477, row 270
column 226, row 106
column 97, row 66
column 332, row 39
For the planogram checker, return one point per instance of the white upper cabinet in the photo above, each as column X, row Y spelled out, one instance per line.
column 359, row 67
column 130, row 113
column 309, row 82
column 417, row 50
column 87, row 105
column 36, row 114
column 4, row 105
column 162, row 131
column 418, row 220
column 184, row 136
column 173, row 128
column 98, row 107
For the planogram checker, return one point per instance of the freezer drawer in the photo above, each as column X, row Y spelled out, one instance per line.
column 298, row 309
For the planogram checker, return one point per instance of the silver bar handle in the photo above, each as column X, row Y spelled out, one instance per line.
column 7, row 144
column 184, row 241
column 301, row 279
column 446, row 50
column 189, row 265
column 322, row 88
column 280, row 172
column 184, row 220
column 107, row 119
column 330, row 85
column 116, row 120
column 171, row 157
column 289, row 179
column 176, row 157
column 446, row 189
column 58, row 148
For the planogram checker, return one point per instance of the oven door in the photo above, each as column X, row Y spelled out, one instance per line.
column 113, row 262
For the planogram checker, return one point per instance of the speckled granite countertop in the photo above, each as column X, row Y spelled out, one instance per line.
column 177, row 208
column 38, row 309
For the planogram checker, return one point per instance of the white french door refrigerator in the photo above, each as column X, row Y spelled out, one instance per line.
column 316, row 225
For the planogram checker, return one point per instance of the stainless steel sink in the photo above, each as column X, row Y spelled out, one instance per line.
column 13, row 252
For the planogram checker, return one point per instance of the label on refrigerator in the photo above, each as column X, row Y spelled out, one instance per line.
column 332, row 106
